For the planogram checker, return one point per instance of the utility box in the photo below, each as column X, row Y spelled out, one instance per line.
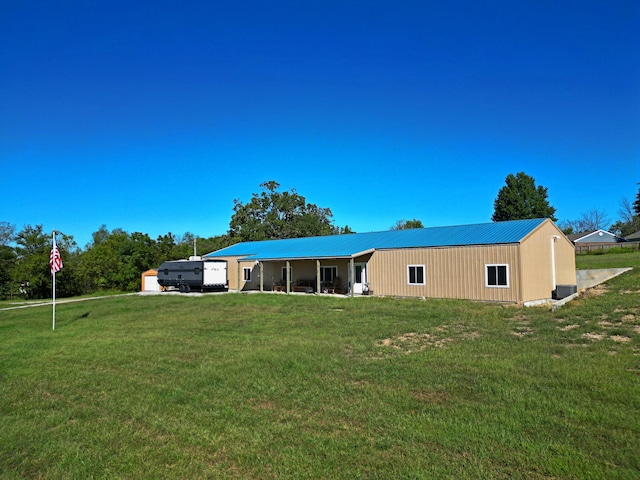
column 563, row 291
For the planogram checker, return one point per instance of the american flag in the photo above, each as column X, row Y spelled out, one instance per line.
column 55, row 261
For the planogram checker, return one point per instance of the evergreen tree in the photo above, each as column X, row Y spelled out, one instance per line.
column 521, row 199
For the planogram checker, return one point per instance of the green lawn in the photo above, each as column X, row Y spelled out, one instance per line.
column 277, row 386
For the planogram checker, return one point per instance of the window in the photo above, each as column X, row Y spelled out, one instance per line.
column 196, row 271
column 284, row 274
column 497, row 276
column 415, row 274
column 327, row 274
column 246, row 274
column 358, row 274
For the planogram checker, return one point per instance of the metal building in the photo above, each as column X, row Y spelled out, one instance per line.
column 516, row 261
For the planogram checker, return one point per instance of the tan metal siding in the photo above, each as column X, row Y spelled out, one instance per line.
column 457, row 272
column 537, row 273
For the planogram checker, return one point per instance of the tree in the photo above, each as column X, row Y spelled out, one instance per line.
column 521, row 199
column 32, row 264
column 592, row 220
column 407, row 224
column 7, row 231
column 7, row 258
column 636, row 204
column 629, row 221
column 117, row 260
column 273, row 214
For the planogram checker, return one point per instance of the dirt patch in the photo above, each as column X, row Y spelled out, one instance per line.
column 629, row 318
column 415, row 342
column 435, row 398
column 608, row 324
column 620, row 338
column 596, row 291
column 522, row 331
column 593, row 336
column 569, row 327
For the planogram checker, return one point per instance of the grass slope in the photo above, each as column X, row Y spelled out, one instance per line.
column 277, row 386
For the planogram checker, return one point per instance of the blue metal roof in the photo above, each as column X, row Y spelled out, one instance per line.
column 347, row 245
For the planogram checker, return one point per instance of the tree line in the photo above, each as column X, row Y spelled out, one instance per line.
column 114, row 260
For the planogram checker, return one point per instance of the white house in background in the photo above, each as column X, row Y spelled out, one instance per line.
column 595, row 236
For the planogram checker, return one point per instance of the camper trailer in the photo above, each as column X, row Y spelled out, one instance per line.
column 188, row 275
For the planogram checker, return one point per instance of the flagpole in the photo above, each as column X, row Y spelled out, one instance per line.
column 54, row 287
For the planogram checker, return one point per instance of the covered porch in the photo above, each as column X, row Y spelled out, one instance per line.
column 336, row 275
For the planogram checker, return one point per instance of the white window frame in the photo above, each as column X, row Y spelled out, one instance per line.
column 330, row 267
column 486, row 275
column 284, row 274
column 424, row 274
column 247, row 274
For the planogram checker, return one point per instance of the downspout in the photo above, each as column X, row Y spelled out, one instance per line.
column 553, row 261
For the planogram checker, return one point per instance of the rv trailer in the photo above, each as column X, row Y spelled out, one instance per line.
column 187, row 275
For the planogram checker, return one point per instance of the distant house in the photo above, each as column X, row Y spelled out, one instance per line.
column 634, row 237
column 516, row 261
column 595, row 236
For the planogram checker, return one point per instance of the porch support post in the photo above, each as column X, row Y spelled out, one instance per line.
column 288, row 276
column 318, row 276
column 352, row 274
column 239, row 272
column 261, row 277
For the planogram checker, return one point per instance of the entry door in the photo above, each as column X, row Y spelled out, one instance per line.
column 361, row 278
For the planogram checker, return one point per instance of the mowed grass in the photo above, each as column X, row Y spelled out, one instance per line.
column 301, row 386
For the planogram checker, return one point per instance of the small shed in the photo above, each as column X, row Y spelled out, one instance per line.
column 149, row 281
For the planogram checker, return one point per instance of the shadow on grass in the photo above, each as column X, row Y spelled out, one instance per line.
column 75, row 319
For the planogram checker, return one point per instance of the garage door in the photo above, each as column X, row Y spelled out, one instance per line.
column 151, row 283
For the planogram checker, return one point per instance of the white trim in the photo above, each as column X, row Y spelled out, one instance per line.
column 486, row 275
column 244, row 274
column 284, row 273
column 322, row 267
column 424, row 276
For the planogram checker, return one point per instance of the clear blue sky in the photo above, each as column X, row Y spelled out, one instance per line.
column 153, row 116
